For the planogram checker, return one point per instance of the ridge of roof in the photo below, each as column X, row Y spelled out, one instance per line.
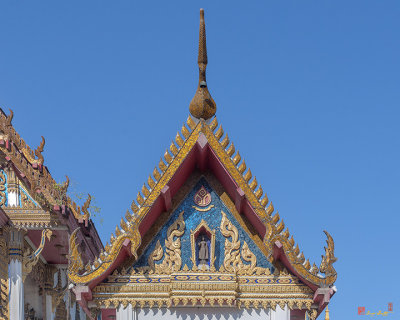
column 278, row 241
column 30, row 163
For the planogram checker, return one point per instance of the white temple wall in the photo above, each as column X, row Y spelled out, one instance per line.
column 201, row 313
column 32, row 297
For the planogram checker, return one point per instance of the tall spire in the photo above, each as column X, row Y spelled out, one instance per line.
column 326, row 313
column 202, row 104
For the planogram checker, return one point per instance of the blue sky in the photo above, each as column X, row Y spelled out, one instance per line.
column 307, row 90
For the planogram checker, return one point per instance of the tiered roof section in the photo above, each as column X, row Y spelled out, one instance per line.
column 55, row 206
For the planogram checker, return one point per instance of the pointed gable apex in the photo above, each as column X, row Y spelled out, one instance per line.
column 201, row 145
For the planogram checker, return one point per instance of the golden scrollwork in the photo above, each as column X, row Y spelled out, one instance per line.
column 75, row 260
column 156, row 255
column 250, row 257
column 329, row 259
column 39, row 150
column 312, row 314
column 211, row 233
column 233, row 255
column 172, row 259
column 30, row 155
column 232, row 261
column 8, row 119
column 30, row 260
column 85, row 207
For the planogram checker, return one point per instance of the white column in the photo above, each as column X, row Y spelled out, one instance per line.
column 49, row 313
column 280, row 314
column 125, row 314
column 16, row 286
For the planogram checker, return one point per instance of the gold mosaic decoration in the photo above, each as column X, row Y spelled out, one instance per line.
column 172, row 258
column 29, row 260
column 232, row 253
column 203, row 288
column 236, row 167
column 25, row 218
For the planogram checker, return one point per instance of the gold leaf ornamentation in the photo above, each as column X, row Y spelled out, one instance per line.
column 156, row 255
column 75, row 260
column 85, row 207
column 39, row 150
column 172, row 261
column 236, row 159
column 329, row 258
column 232, row 254
column 30, row 260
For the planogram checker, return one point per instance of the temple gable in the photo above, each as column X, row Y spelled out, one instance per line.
column 202, row 232
column 203, row 221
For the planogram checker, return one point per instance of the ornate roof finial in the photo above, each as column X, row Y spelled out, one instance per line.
column 326, row 313
column 202, row 104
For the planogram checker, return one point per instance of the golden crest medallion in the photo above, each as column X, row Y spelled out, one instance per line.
column 202, row 197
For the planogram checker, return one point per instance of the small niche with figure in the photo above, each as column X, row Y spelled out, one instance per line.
column 203, row 247
column 203, row 250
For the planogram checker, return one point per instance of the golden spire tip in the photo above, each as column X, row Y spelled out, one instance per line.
column 202, row 104
column 326, row 313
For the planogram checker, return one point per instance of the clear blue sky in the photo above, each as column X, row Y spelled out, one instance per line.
column 307, row 90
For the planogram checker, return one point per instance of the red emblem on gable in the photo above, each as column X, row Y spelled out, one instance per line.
column 202, row 197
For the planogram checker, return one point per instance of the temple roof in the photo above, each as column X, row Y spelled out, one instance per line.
column 202, row 145
column 28, row 165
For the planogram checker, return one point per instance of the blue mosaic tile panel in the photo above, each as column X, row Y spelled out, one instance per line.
column 192, row 219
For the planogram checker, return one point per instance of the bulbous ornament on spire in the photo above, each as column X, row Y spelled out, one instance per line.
column 202, row 105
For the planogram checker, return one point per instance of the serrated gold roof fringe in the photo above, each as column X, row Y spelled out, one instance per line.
column 273, row 223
